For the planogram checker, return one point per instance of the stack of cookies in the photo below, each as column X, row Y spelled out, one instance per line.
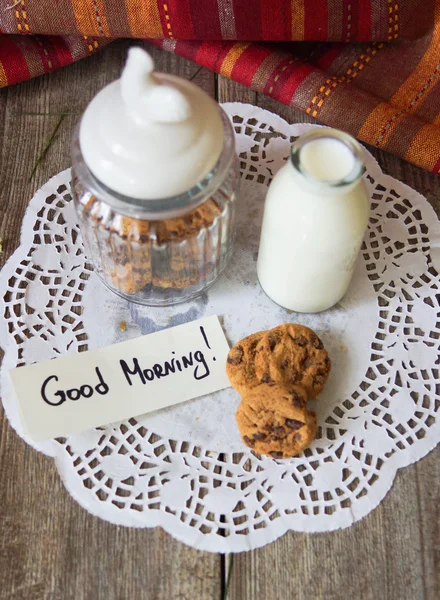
column 135, row 253
column 276, row 372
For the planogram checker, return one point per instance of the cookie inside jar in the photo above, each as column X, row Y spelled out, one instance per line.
column 137, row 255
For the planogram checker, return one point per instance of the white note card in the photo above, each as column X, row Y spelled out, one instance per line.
column 94, row 388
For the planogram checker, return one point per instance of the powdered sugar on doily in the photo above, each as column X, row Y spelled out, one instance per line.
column 185, row 468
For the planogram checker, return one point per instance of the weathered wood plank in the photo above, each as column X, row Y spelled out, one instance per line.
column 229, row 91
column 394, row 553
column 50, row 548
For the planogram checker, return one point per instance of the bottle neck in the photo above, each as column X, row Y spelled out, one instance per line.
column 327, row 161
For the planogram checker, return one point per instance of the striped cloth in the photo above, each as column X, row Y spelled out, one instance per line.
column 383, row 89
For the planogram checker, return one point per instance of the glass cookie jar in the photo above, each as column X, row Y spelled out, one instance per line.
column 155, row 179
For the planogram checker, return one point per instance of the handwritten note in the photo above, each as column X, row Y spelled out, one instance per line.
column 91, row 389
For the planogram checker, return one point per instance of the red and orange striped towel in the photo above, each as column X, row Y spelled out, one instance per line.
column 384, row 89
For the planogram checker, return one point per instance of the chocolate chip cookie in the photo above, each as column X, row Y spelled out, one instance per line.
column 292, row 354
column 274, row 420
column 136, row 253
column 240, row 364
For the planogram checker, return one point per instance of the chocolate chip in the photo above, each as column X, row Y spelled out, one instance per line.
column 297, row 437
column 294, row 424
column 236, row 356
column 285, row 364
column 259, row 435
column 296, row 376
column 279, row 430
column 276, row 454
column 306, row 363
column 318, row 380
column 297, row 400
column 272, row 342
column 253, row 348
column 316, row 343
column 300, row 340
column 248, row 441
column 266, row 378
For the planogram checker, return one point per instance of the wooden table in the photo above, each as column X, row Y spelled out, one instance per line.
column 51, row 548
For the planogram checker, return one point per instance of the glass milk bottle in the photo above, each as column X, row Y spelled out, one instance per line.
column 316, row 213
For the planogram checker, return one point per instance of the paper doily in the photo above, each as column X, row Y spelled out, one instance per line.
column 185, row 468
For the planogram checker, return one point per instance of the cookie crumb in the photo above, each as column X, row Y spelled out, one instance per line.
column 122, row 325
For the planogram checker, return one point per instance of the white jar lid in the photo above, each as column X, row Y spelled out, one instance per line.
column 150, row 135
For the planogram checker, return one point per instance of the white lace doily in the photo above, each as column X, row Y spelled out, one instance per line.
column 185, row 468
